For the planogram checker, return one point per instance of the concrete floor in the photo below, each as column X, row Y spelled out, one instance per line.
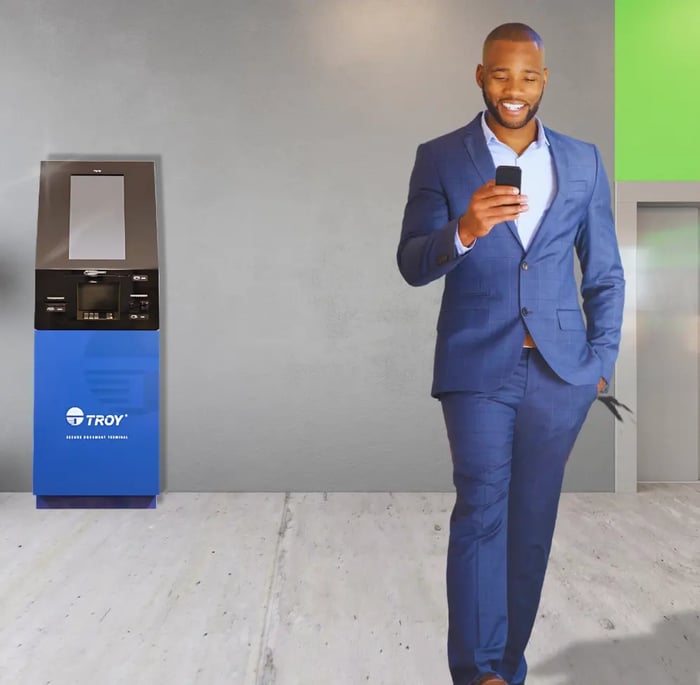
column 263, row 589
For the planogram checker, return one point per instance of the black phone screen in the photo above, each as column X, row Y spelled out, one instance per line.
column 509, row 176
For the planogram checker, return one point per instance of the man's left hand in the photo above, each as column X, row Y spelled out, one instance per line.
column 602, row 384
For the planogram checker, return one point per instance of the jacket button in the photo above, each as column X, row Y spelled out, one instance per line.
column 442, row 259
column 524, row 311
column 525, row 266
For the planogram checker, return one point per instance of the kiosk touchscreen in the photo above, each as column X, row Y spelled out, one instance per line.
column 96, row 340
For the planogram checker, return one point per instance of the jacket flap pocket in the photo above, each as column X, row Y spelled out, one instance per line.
column 454, row 319
column 570, row 320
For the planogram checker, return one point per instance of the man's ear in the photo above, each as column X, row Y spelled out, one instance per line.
column 480, row 75
column 545, row 74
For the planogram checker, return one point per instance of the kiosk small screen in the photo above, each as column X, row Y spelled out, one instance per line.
column 97, row 229
column 98, row 297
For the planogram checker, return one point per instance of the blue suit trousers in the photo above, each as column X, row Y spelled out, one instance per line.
column 509, row 450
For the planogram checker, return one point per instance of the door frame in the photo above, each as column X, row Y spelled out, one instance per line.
column 629, row 196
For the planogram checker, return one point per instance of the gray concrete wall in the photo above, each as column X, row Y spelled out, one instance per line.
column 294, row 356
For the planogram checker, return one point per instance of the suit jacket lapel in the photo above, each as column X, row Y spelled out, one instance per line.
column 481, row 158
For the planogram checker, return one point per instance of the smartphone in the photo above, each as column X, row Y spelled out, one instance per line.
column 509, row 176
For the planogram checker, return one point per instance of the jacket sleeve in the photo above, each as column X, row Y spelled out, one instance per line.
column 603, row 283
column 427, row 248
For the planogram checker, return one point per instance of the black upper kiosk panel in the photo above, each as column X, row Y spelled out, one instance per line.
column 97, row 246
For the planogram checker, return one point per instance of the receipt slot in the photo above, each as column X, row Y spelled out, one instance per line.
column 96, row 338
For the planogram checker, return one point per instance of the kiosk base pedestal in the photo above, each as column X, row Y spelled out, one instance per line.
column 86, row 502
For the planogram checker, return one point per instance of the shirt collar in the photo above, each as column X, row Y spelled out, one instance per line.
column 491, row 136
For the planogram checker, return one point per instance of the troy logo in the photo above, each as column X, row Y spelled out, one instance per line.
column 104, row 419
column 75, row 416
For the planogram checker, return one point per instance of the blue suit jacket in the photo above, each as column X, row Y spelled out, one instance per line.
column 498, row 290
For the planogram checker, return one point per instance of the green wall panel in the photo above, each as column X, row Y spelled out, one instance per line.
column 657, row 90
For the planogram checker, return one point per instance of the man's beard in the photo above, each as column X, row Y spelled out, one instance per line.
column 493, row 111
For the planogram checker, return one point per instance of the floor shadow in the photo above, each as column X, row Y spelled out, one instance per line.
column 670, row 653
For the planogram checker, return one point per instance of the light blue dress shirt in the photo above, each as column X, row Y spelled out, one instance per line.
column 539, row 182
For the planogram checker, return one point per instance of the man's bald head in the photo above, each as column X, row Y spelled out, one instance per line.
column 516, row 32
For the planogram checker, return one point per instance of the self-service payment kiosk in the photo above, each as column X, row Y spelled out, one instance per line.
column 96, row 344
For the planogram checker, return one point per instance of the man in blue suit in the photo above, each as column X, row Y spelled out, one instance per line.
column 517, row 366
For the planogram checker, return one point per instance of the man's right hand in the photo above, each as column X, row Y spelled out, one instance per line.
column 490, row 205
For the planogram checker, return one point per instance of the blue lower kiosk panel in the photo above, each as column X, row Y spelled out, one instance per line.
column 96, row 414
